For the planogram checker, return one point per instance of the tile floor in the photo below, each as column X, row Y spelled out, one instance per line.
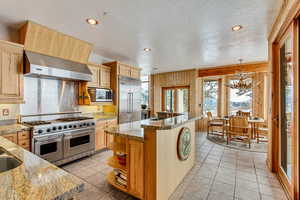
column 220, row 173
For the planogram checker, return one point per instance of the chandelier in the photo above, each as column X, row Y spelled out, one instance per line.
column 243, row 84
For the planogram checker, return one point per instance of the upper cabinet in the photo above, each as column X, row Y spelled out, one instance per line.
column 125, row 70
column 105, row 73
column 11, row 67
column 101, row 76
column 129, row 71
column 41, row 39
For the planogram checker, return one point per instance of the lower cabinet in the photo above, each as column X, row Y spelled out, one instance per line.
column 21, row 138
column 103, row 140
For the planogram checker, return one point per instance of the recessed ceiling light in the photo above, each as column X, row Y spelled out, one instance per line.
column 92, row 21
column 237, row 28
column 147, row 49
column 155, row 68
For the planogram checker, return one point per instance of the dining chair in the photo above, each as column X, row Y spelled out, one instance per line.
column 214, row 123
column 239, row 130
column 243, row 114
column 262, row 134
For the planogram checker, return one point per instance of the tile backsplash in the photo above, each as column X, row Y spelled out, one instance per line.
column 13, row 111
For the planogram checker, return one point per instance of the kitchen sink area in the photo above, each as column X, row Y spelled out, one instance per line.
column 8, row 161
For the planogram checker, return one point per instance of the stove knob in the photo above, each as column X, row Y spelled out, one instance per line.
column 70, row 126
column 80, row 125
column 59, row 128
column 40, row 131
column 84, row 124
column 48, row 130
column 75, row 126
column 87, row 124
column 93, row 123
column 54, row 128
column 65, row 126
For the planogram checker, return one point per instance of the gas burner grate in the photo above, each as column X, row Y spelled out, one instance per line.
column 36, row 123
column 71, row 119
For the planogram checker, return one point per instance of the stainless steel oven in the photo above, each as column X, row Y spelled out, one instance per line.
column 78, row 141
column 100, row 94
column 49, row 147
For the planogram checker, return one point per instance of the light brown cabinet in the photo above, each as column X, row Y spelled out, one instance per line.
column 100, row 142
column 129, row 71
column 101, row 76
column 21, row 138
column 41, row 39
column 105, row 73
column 103, row 140
column 136, row 168
column 11, row 69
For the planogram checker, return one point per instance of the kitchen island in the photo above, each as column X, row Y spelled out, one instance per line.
column 34, row 178
column 151, row 157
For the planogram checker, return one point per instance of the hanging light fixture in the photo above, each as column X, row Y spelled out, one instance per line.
column 243, row 84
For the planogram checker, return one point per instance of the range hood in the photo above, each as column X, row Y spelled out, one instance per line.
column 40, row 65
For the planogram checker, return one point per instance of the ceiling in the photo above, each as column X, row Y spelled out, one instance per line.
column 181, row 34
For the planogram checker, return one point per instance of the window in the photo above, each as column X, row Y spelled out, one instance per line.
column 145, row 90
column 239, row 100
column 176, row 99
column 210, row 91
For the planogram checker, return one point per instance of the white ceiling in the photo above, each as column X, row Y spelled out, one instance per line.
column 181, row 34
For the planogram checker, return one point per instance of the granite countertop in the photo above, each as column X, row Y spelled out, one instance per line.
column 131, row 130
column 101, row 116
column 35, row 178
column 13, row 128
column 169, row 123
column 135, row 130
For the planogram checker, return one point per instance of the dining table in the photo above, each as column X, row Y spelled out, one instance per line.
column 253, row 121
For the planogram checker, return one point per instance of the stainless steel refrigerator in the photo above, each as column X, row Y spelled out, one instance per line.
column 129, row 100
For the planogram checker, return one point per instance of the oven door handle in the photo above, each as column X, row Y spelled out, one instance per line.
column 56, row 138
column 41, row 142
column 72, row 135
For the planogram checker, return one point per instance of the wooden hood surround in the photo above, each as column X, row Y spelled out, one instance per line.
column 41, row 39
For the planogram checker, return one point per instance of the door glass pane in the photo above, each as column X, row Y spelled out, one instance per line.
column 80, row 140
column 286, row 105
column 240, row 99
column 169, row 100
column 48, row 148
column 182, row 100
column 210, row 90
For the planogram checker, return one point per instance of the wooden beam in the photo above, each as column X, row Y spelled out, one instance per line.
column 234, row 69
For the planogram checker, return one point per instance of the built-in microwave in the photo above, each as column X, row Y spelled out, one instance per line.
column 100, row 94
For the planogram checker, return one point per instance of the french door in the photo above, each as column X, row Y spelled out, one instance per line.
column 175, row 99
column 287, row 166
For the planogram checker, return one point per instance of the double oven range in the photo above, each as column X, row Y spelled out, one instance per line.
column 63, row 140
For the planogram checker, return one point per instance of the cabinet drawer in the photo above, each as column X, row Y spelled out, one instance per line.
column 24, row 143
column 23, row 135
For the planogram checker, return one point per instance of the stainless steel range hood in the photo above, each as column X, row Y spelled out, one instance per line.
column 40, row 65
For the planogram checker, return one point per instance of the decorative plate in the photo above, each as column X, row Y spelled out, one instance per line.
column 184, row 144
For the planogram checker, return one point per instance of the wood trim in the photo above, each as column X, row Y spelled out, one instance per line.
column 234, row 69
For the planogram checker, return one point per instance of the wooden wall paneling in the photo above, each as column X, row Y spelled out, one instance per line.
column 258, row 101
column 234, row 69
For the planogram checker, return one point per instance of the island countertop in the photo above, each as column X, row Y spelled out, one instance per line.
column 135, row 130
column 35, row 178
